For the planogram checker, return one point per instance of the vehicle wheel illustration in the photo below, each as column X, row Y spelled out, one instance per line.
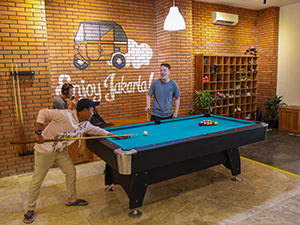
column 119, row 61
column 79, row 63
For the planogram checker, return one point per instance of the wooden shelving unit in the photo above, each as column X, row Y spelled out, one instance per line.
column 232, row 81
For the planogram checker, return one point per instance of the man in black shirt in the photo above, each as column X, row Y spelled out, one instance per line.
column 67, row 91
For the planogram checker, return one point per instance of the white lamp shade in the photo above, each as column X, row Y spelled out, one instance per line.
column 174, row 20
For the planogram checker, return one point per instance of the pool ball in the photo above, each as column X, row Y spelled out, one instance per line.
column 215, row 123
column 201, row 123
column 145, row 133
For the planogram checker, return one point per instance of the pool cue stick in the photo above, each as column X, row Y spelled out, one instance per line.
column 20, row 109
column 146, row 106
column 16, row 106
column 69, row 139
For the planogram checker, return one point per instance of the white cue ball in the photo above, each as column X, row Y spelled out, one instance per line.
column 145, row 133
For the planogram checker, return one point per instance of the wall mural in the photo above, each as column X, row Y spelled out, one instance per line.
column 106, row 41
column 100, row 41
column 87, row 90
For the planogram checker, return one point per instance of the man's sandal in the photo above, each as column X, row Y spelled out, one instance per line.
column 29, row 218
column 78, row 202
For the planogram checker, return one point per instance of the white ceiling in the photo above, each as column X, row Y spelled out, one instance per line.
column 251, row 4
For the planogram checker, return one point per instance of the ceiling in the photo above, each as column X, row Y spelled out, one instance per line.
column 251, row 4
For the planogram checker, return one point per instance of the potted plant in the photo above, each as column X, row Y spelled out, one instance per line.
column 203, row 101
column 272, row 105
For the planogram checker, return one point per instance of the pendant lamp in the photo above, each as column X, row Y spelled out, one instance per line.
column 174, row 20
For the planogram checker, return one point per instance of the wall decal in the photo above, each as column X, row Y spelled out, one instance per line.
column 107, row 41
column 88, row 90
column 137, row 55
column 100, row 41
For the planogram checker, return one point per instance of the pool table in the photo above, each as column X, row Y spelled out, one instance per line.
column 172, row 148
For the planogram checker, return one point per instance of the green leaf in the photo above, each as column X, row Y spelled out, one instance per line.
column 203, row 100
column 272, row 105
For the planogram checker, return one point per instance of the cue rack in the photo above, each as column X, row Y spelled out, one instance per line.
column 15, row 74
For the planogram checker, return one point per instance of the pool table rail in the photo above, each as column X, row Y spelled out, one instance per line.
column 153, row 156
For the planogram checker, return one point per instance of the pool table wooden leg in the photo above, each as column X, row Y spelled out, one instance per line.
column 135, row 185
column 108, row 175
column 234, row 161
column 137, row 190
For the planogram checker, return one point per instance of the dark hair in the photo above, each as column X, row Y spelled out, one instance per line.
column 65, row 88
column 166, row 65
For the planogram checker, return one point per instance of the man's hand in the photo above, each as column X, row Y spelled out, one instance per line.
column 72, row 103
column 123, row 136
column 40, row 139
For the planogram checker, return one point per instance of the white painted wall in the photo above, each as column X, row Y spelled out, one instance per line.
column 288, row 83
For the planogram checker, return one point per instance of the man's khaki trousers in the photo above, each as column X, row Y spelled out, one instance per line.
column 42, row 163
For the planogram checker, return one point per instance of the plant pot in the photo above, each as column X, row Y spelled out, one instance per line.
column 273, row 123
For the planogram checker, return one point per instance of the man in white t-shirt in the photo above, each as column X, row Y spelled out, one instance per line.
column 63, row 124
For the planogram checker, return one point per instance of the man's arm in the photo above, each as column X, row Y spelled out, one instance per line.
column 148, row 99
column 43, row 116
column 94, row 130
column 177, row 103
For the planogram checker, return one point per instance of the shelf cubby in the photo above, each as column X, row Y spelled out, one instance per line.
column 234, row 85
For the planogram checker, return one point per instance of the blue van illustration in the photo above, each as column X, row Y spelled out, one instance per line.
column 100, row 41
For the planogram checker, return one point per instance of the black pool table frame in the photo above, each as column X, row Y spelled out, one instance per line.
column 134, row 170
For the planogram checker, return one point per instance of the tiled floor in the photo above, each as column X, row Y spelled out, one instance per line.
column 279, row 150
column 265, row 196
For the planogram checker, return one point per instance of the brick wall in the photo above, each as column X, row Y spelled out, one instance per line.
column 255, row 28
column 39, row 36
column 219, row 39
column 267, row 38
column 23, row 39
column 138, row 22
column 176, row 49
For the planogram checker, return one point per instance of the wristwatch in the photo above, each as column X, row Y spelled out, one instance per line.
column 38, row 132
